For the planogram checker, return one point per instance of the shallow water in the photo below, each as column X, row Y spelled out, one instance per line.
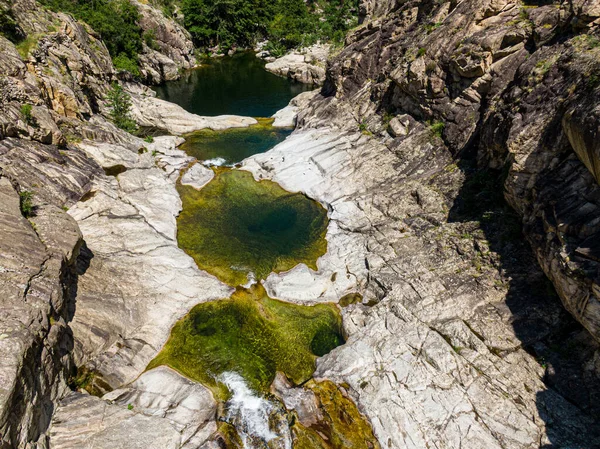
column 239, row 229
column 231, row 146
column 237, row 85
column 254, row 336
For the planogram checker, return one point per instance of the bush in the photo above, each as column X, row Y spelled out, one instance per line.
column 437, row 128
column 26, row 203
column 26, row 114
column 119, row 103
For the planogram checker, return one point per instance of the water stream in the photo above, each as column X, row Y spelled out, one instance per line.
column 241, row 230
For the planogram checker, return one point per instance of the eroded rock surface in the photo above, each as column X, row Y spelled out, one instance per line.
column 305, row 66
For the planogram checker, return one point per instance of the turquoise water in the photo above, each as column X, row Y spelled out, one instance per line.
column 231, row 146
column 237, row 85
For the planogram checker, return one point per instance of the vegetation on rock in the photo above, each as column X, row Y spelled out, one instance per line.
column 119, row 103
column 253, row 335
column 26, row 203
column 117, row 23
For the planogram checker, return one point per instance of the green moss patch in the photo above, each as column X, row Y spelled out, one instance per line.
column 235, row 226
column 235, row 144
column 253, row 335
column 342, row 426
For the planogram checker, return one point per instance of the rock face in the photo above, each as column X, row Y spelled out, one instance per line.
column 37, row 258
column 429, row 120
column 492, row 78
column 56, row 265
column 305, row 66
column 172, row 47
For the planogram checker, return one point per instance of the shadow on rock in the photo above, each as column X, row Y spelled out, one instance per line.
column 570, row 405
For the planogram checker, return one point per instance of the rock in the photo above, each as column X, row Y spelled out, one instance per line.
column 37, row 280
column 427, row 342
column 303, row 401
column 307, row 66
column 156, row 113
column 135, row 281
column 197, row 176
column 286, row 117
column 172, row 47
column 161, row 392
column 85, row 422
column 399, row 126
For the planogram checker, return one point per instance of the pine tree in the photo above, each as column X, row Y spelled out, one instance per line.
column 119, row 103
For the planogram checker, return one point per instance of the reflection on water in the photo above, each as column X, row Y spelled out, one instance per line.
column 237, row 85
column 231, row 146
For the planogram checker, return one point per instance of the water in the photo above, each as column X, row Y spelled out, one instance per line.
column 236, row 227
column 236, row 85
column 231, row 146
column 259, row 423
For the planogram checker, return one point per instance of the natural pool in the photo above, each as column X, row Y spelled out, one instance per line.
column 242, row 230
column 237, row 84
column 254, row 336
column 233, row 145
column 239, row 229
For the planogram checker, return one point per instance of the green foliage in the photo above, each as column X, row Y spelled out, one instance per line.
column 149, row 139
column 26, row 203
column 150, row 39
column 437, row 128
column 421, row 52
column 119, row 103
column 25, row 46
column 115, row 20
column 253, row 335
column 26, row 114
column 286, row 23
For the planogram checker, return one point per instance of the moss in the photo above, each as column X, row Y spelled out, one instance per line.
column 235, row 225
column 25, row 46
column 235, row 144
column 253, row 335
column 350, row 298
column 342, row 426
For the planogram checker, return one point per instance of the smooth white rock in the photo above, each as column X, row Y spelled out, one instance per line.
column 197, row 176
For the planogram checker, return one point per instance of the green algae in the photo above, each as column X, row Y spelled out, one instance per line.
column 342, row 426
column 235, row 144
column 235, row 225
column 253, row 335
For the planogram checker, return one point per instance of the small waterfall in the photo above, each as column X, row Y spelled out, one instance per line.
column 261, row 424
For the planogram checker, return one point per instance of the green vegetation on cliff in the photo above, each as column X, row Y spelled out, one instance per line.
column 286, row 23
column 253, row 335
column 117, row 23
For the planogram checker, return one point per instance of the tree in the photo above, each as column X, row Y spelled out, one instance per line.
column 119, row 103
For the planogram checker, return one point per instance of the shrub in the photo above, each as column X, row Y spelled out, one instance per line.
column 149, row 139
column 26, row 203
column 119, row 103
column 437, row 128
column 26, row 114
column 421, row 52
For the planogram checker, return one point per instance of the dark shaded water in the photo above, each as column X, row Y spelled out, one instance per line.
column 233, row 145
column 237, row 85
